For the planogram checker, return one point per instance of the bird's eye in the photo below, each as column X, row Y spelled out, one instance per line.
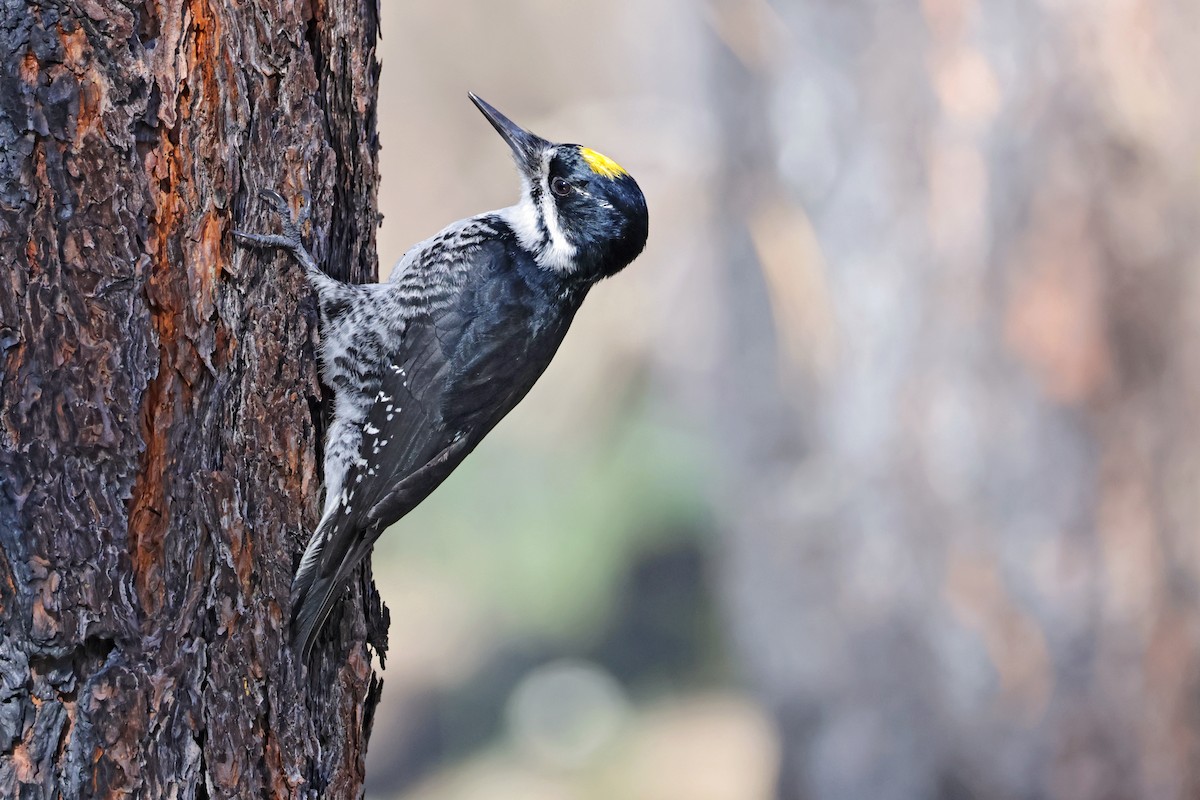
column 560, row 187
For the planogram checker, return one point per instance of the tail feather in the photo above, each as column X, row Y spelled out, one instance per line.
column 311, row 610
column 317, row 586
column 313, row 602
column 312, row 595
column 306, row 573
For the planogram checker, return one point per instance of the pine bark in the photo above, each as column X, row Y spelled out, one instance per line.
column 160, row 413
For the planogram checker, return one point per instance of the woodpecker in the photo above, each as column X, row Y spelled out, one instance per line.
column 423, row 366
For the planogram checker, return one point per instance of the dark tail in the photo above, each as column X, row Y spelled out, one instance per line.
column 316, row 589
column 312, row 604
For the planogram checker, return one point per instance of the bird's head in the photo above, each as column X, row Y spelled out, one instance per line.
column 580, row 213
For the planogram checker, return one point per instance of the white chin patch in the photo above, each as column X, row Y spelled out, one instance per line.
column 523, row 219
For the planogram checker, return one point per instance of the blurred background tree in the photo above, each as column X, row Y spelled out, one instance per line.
column 963, row 461
column 877, row 476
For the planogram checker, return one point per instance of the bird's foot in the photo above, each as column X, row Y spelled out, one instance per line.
column 293, row 223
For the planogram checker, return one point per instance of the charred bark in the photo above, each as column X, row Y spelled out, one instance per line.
column 159, row 403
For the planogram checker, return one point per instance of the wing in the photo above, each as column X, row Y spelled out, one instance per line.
column 460, row 368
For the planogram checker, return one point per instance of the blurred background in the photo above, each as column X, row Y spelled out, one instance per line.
column 878, row 475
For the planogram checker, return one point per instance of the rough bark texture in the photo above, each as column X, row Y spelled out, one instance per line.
column 961, row 392
column 159, row 404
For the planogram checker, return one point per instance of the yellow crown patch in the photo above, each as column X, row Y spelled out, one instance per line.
column 602, row 164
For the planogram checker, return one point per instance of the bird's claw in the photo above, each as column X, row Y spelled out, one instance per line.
column 276, row 200
column 305, row 212
column 292, row 222
column 289, row 239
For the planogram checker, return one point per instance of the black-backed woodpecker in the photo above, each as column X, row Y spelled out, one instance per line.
column 423, row 366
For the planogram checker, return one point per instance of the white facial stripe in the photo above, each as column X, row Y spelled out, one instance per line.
column 560, row 253
column 552, row 251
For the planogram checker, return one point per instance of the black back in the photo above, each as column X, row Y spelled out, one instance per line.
column 460, row 369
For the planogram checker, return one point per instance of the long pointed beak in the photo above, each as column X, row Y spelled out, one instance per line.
column 527, row 148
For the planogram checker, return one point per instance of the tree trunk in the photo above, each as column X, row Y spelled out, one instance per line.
column 961, row 392
column 159, row 405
